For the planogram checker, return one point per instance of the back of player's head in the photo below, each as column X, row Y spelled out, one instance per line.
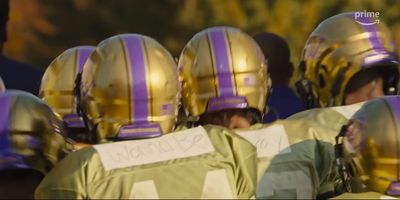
column 343, row 47
column 223, row 68
column 58, row 82
column 129, row 89
column 370, row 147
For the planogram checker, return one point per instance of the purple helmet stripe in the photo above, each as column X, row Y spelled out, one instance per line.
column 224, row 74
column 5, row 104
column 370, row 27
column 138, row 75
column 83, row 54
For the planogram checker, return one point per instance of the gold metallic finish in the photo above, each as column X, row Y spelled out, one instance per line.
column 337, row 49
column 200, row 79
column 58, row 81
column 108, row 85
column 372, row 143
column 36, row 135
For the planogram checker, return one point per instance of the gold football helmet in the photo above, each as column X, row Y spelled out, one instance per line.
column 368, row 148
column 223, row 68
column 57, row 86
column 340, row 47
column 129, row 89
column 31, row 135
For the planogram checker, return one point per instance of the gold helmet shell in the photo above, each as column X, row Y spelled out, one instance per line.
column 31, row 135
column 58, row 82
column 130, row 88
column 223, row 68
column 340, row 47
column 371, row 145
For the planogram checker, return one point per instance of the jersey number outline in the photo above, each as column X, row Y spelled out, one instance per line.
column 216, row 185
column 286, row 180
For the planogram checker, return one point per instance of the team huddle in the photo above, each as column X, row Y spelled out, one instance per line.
column 125, row 120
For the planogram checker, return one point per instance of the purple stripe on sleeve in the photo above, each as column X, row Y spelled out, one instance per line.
column 224, row 74
column 138, row 75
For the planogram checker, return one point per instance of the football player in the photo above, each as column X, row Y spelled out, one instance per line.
column 296, row 157
column 129, row 99
column 32, row 140
column 367, row 150
column 57, row 89
column 348, row 59
column 225, row 82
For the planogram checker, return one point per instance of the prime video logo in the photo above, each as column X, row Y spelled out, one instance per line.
column 366, row 18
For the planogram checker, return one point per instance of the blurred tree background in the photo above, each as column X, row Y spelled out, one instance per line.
column 39, row 30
